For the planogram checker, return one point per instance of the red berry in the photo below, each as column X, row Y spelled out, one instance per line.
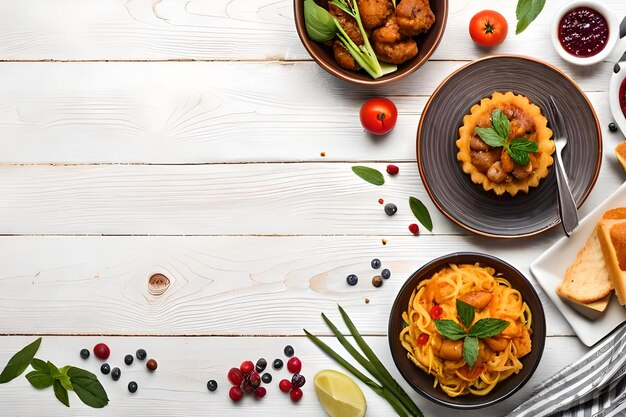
column 255, row 379
column 294, row 365
column 422, row 339
column 101, row 351
column 235, row 394
column 247, row 367
column 415, row 229
column 235, row 376
column 260, row 392
column 295, row 394
column 392, row 169
column 284, row 385
column 246, row 386
column 436, row 312
column 381, row 201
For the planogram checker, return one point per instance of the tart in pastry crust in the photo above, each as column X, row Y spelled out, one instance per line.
column 526, row 121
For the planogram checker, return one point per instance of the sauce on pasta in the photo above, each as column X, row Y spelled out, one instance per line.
column 492, row 297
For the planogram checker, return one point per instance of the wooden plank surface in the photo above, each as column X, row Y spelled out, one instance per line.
column 279, row 284
column 216, row 30
column 178, row 387
column 171, row 112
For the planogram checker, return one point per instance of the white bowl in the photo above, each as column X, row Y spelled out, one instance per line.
column 619, row 74
column 613, row 32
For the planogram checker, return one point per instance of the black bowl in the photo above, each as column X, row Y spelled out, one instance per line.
column 423, row 382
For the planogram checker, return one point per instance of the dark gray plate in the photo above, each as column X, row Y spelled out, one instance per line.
column 468, row 204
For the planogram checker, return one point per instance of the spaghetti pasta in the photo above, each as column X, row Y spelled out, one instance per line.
column 492, row 297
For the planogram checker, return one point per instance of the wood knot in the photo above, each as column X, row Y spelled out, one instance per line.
column 158, row 284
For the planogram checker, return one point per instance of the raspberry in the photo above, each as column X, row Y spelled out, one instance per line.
column 415, row 229
column 392, row 169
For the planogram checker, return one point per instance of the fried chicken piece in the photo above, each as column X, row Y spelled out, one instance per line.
column 395, row 52
column 374, row 12
column 388, row 33
column 343, row 57
column 348, row 24
column 414, row 17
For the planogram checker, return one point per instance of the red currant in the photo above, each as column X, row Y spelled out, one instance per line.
column 284, row 385
column 246, row 367
column 422, row 339
column 235, row 394
column 381, row 201
column 102, row 351
column 260, row 392
column 436, row 312
column 414, row 228
column 294, row 365
column 255, row 379
column 392, row 169
column 235, row 376
column 296, row 395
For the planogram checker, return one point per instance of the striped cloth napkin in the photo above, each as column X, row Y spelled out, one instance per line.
column 593, row 386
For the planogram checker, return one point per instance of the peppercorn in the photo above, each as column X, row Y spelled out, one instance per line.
column 151, row 365
column 377, row 281
column 128, row 359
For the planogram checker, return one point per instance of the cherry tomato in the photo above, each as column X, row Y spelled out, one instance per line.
column 422, row 339
column 378, row 115
column 488, row 28
column 436, row 312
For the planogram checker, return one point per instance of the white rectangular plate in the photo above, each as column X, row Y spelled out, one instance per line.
column 550, row 267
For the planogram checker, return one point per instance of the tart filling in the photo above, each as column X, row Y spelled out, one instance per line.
column 502, row 168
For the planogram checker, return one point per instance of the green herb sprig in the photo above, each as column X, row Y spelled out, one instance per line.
column 526, row 12
column 46, row 374
column 421, row 213
column 384, row 384
column 497, row 136
column 483, row 328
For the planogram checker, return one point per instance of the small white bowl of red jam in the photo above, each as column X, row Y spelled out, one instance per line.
column 617, row 94
column 584, row 32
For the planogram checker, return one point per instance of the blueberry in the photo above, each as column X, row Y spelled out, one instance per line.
column 212, row 385
column 375, row 263
column 141, row 354
column 84, row 353
column 385, row 273
column 391, row 209
column 132, row 386
column 277, row 364
column 266, row 378
column 105, row 368
column 297, row 380
column 261, row 364
column 352, row 279
column 288, row 351
column 128, row 359
column 116, row 373
column 612, row 127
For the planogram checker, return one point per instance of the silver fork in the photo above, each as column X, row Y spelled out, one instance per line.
column 567, row 206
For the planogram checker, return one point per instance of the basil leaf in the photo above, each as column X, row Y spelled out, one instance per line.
column 39, row 379
column 526, row 12
column 40, row 365
column 523, row 144
column 519, row 156
column 19, row 362
column 466, row 313
column 61, row 393
column 421, row 213
column 54, row 371
column 371, row 175
column 470, row 350
column 490, row 137
column 320, row 24
column 450, row 329
column 67, row 384
column 488, row 327
column 87, row 387
column 500, row 124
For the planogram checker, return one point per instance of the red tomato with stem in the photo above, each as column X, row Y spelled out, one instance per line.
column 488, row 28
column 378, row 115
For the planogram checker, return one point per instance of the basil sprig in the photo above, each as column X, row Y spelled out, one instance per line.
column 46, row 375
column 497, row 136
column 421, row 213
column 371, row 175
column 526, row 12
column 483, row 328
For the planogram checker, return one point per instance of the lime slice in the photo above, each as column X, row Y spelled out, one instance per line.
column 339, row 395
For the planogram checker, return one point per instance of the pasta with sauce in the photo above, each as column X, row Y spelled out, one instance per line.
column 492, row 297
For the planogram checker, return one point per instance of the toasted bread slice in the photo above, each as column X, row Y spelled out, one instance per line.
column 612, row 234
column 620, row 151
column 587, row 279
column 591, row 310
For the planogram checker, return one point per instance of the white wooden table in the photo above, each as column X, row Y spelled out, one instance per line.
column 185, row 137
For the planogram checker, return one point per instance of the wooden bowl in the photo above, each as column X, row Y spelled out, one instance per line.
column 323, row 55
column 423, row 382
